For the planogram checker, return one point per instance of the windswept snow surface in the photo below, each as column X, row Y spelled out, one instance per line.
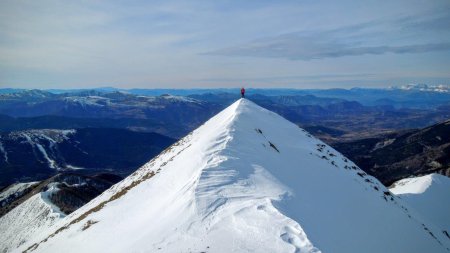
column 429, row 195
column 246, row 181
column 33, row 217
column 14, row 190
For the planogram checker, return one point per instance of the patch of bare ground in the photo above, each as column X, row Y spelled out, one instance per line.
column 88, row 224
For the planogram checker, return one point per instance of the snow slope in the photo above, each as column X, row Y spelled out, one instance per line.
column 429, row 195
column 246, row 181
column 13, row 191
column 32, row 217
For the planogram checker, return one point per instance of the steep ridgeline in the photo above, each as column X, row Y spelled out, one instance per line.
column 28, row 209
column 246, row 181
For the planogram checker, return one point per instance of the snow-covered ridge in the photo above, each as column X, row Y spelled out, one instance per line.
column 429, row 195
column 124, row 101
column 32, row 217
column 32, row 211
column 414, row 185
column 14, row 191
column 245, row 181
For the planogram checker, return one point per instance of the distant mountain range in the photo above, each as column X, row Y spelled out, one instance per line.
column 407, row 96
column 175, row 116
column 424, row 87
column 48, row 128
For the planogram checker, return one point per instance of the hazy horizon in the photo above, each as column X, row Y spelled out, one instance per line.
column 204, row 44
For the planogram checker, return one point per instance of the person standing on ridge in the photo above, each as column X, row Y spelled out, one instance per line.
column 242, row 92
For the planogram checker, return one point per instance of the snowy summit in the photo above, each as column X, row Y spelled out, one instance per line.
column 247, row 180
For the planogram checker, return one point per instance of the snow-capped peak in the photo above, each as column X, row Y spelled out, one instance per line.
column 443, row 88
column 245, row 181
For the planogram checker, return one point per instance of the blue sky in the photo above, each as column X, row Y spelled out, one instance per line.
column 183, row 44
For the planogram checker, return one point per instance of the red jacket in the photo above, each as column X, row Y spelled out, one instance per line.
column 242, row 91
